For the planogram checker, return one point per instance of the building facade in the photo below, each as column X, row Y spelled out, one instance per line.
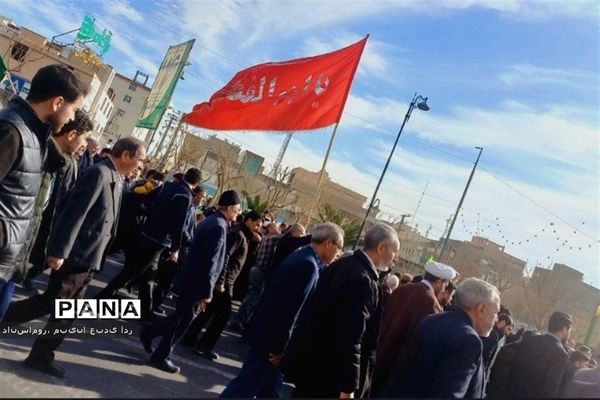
column 25, row 52
column 129, row 96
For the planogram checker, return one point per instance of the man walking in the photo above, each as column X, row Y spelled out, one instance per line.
column 55, row 95
column 195, row 282
column 404, row 310
column 78, row 246
column 275, row 319
column 540, row 362
column 59, row 175
column 332, row 350
column 443, row 357
column 162, row 230
column 219, row 310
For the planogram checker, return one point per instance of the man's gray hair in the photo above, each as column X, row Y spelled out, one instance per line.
column 380, row 233
column 327, row 231
column 93, row 141
column 129, row 144
column 473, row 291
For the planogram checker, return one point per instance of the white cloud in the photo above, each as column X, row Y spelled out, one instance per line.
column 529, row 75
column 124, row 9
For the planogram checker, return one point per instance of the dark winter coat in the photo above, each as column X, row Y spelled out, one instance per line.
column 83, row 232
column 333, row 347
column 538, row 367
column 198, row 275
column 442, row 359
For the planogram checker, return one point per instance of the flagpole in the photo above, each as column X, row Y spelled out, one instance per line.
column 321, row 174
column 12, row 85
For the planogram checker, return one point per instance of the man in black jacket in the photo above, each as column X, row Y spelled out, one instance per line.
column 59, row 175
column 78, row 246
column 162, row 230
column 219, row 310
column 332, row 350
column 55, row 94
column 87, row 158
column 540, row 361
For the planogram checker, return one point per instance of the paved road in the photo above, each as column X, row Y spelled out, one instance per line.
column 116, row 366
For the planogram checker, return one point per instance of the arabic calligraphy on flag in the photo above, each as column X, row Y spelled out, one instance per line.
column 295, row 95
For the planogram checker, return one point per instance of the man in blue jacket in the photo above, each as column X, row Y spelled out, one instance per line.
column 162, row 230
column 194, row 283
column 273, row 323
column 444, row 356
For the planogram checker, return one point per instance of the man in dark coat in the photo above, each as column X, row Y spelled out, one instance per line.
column 55, row 95
column 87, row 158
column 541, row 361
column 163, row 230
column 59, row 175
column 406, row 307
column 78, row 246
column 194, row 283
column 275, row 319
column 219, row 310
column 332, row 350
column 443, row 357
column 494, row 342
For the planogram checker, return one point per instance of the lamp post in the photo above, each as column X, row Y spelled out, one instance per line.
column 421, row 103
column 460, row 203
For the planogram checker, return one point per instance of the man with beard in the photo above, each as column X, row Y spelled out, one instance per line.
column 332, row 350
column 55, row 95
column 540, row 362
column 78, row 246
column 404, row 310
column 58, row 179
column 443, row 356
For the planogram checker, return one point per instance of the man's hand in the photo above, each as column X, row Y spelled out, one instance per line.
column 174, row 256
column 275, row 359
column 201, row 305
column 344, row 395
column 220, row 288
column 55, row 263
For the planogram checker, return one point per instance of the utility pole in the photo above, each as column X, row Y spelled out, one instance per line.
column 460, row 203
column 165, row 134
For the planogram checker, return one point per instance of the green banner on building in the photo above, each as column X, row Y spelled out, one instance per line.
column 164, row 85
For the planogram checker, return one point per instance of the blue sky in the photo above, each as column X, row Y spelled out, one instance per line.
column 519, row 78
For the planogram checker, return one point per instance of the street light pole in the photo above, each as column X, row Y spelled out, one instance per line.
column 460, row 203
column 421, row 103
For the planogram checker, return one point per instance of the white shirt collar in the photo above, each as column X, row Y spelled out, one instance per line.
column 370, row 262
column 428, row 284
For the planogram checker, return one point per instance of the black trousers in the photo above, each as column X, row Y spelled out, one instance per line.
column 165, row 274
column 171, row 328
column 147, row 254
column 216, row 316
column 64, row 283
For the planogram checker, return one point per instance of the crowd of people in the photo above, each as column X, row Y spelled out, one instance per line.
column 332, row 323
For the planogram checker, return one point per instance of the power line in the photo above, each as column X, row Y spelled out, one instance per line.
column 414, row 141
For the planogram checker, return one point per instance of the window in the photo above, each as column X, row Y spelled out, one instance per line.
column 103, row 105
column 127, row 99
column 132, row 87
column 18, row 51
column 120, row 113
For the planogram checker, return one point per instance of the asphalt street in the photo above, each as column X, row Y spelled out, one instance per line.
column 115, row 366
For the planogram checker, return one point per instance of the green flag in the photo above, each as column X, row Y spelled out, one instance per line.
column 2, row 69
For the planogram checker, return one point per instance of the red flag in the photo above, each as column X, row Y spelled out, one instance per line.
column 306, row 93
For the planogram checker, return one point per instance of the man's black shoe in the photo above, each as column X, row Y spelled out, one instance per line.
column 208, row 353
column 146, row 342
column 47, row 367
column 165, row 365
